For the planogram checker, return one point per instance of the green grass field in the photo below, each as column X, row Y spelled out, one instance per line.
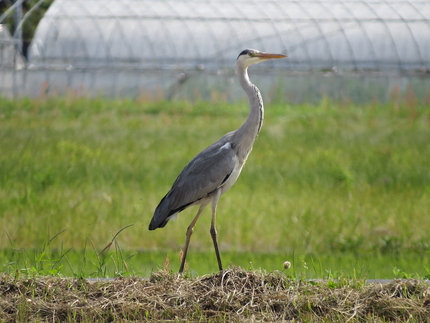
column 338, row 189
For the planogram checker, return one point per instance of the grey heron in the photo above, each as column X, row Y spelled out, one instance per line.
column 213, row 171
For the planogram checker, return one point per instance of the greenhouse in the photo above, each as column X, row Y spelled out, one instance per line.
column 178, row 47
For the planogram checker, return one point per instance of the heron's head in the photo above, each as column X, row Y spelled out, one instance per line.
column 249, row 57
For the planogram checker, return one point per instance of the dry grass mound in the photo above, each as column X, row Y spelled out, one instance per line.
column 234, row 295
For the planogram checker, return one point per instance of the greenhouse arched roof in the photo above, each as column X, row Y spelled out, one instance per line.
column 188, row 34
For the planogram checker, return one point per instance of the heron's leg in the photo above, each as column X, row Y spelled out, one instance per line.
column 213, row 231
column 189, row 233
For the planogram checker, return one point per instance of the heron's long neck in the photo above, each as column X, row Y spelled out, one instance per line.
column 245, row 136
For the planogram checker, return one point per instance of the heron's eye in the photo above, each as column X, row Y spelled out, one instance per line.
column 250, row 54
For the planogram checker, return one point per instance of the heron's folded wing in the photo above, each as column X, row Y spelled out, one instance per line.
column 204, row 174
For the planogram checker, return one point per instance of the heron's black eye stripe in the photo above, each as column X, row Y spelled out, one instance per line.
column 244, row 52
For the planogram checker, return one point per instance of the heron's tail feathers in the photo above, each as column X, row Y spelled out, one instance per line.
column 167, row 210
column 161, row 216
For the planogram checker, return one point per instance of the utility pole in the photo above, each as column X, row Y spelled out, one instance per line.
column 18, row 18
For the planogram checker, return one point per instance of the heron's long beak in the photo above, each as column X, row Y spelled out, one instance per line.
column 269, row 55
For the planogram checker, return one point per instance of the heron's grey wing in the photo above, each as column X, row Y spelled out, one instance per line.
column 204, row 174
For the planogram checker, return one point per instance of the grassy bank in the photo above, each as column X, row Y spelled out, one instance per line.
column 234, row 295
column 322, row 180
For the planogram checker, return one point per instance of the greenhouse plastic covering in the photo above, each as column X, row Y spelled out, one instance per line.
column 196, row 34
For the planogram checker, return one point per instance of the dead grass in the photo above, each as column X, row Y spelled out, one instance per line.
column 234, row 295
